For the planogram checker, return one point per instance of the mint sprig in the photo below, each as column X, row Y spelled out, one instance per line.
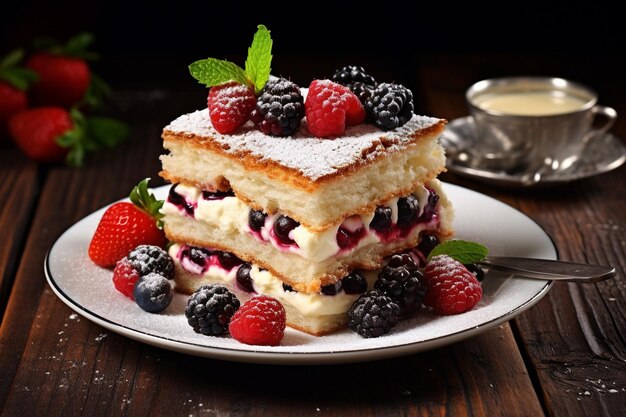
column 463, row 251
column 212, row 71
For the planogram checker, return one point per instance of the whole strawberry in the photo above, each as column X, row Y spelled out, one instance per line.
column 64, row 75
column 230, row 106
column 451, row 287
column 330, row 107
column 260, row 321
column 14, row 81
column 124, row 226
column 37, row 132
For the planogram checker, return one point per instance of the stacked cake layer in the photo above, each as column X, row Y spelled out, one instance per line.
column 299, row 217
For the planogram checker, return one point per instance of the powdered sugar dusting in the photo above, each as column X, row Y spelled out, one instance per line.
column 314, row 158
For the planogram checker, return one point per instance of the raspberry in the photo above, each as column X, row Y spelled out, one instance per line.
column 330, row 107
column 210, row 308
column 452, row 288
column 403, row 282
column 125, row 275
column 390, row 106
column 230, row 106
column 150, row 258
column 279, row 109
column 260, row 321
column 373, row 314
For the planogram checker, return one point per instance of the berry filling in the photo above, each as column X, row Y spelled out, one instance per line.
column 390, row 222
column 198, row 260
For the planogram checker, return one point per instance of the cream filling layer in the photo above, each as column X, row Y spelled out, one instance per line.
column 231, row 215
column 310, row 305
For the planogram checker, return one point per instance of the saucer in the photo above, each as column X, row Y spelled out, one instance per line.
column 603, row 154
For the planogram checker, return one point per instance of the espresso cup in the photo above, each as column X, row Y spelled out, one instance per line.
column 527, row 124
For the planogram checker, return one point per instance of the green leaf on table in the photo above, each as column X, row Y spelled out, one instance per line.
column 463, row 251
column 259, row 60
column 212, row 71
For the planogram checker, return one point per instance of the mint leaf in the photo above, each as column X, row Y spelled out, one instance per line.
column 463, row 251
column 258, row 62
column 213, row 71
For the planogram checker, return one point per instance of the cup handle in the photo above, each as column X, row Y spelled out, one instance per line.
column 608, row 113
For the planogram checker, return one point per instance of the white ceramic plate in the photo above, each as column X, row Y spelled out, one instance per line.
column 89, row 291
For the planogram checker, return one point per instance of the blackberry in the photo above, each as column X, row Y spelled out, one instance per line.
column 153, row 293
column 352, row 73
column 390, row 106
column 279, row 108
column 354, row 283
column 362, row 91
column 401, row 280
column 210, row 308
column 244, row 280
column 150, row 258
column 373, row 314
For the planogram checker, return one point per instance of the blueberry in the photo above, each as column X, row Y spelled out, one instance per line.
column 179, row 200
column 382, row 219
column 256, row 220
column 244, row 280
column 476, row 270
column 408, row 208
column 198, row 256
column 288, row 288
column 331, row 289
column 427, row 244
column 431, row 205
column 153, row 293
column 283, row 226
column 228, row 260
column 217, row 195
column 354, row 283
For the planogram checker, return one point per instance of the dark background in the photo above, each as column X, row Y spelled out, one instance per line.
column 149, row 45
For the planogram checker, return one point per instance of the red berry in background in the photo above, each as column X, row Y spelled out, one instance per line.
column 330, row 107
column 125, row 275
column 63, row 80
column 230, row 106
column 35, row 132
column 260, row 321
column 12, row 100
column 451, row 287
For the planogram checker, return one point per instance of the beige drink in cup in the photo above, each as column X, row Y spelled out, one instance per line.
column 534, row 123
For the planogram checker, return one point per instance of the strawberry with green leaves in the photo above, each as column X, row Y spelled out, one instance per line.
column 124, row 226
column 14, row 81
column 65, row 77
column 232, row 96
column 51, row 134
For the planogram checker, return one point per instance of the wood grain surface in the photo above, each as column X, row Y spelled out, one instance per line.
column 566, row 356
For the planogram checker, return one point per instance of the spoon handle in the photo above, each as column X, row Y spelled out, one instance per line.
column 549, row 269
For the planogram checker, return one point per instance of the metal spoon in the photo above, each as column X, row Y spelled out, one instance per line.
column 549, row 269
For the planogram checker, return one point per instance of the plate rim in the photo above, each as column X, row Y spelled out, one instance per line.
column 294, row 358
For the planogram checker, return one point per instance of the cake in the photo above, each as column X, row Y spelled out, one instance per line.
column 301, row 213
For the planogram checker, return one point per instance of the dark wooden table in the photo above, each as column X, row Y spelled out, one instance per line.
column 566, row 356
